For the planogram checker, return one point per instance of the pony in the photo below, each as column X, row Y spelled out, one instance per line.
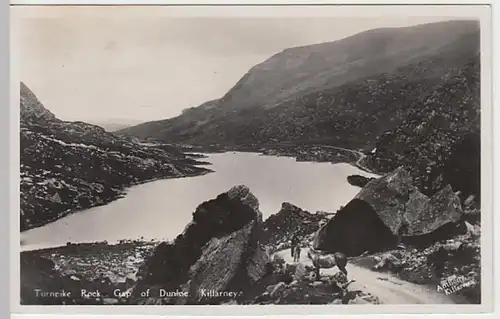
column 327, row 261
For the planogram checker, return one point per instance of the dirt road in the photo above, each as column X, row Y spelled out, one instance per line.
column 389, row 289
column 360, row 158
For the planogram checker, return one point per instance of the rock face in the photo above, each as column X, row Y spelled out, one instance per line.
column 31, row 108
column 356, row 228
column 398, row 202
column 227, row 264
column 431, row 213
column 389, row 207
column 219, row 250
column 280, row 227
column 388, row 196
column 68, row 166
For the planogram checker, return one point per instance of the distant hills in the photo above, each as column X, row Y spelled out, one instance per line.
column 345, row 92
column 405, row 96
column 112, row 125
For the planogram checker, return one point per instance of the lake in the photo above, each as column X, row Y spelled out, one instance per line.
column 161, row 209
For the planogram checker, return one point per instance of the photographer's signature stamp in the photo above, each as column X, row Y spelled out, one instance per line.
column 454, row 283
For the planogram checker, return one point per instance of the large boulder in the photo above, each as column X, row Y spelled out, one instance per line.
column 373, row 220
column 356, row 228
column 228, row 265
column 219, row 250
column 396, row 201
column 388, row 196
column 426, row 215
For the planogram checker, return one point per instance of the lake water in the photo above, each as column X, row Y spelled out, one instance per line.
column 161, row 209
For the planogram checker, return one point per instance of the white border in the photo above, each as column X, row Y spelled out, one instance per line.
column 299, row 11
column 250, row 2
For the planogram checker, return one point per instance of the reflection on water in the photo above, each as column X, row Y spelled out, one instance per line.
column 161, row 209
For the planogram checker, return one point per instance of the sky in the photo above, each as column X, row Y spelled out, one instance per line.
column 130, row 68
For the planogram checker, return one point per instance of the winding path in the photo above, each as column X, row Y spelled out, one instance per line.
column 358, row 161
column 389, row 289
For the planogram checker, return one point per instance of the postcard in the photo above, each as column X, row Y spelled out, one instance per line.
column 202, row 160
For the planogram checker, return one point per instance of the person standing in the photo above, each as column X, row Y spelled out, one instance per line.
column 294, row 242
column 403, row 230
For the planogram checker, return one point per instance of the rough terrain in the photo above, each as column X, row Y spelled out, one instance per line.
column 229, row 255
column 70, row 166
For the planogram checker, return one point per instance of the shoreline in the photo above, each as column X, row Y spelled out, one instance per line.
column 291, row 150
column 125, row 190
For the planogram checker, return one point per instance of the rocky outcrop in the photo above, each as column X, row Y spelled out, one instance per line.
column 356, row 228
column 218, row 251
column 227, row 265
column 425, row 215
column 220, row 259
column 358, row 180
column 388, row 196
column 389, row 208
column 69, row 166
column 290, row 220
column 31, row 109
column 398, row 202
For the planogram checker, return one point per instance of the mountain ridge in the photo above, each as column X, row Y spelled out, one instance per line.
column 191, row 126
column 71, row 166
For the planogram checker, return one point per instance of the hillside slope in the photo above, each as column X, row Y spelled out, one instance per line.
column 345, row 92
column 440, row 139
column 67, row 166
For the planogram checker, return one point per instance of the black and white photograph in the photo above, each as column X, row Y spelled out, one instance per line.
column 202, row 159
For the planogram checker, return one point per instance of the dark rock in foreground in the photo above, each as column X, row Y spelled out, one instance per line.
column 388, row 196
column 220, row 259
column 398, row 203
column 389, row 208
column 356, row 228
column 218, row 251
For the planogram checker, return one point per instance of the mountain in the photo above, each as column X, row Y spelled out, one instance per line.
column 344, row 93
column 405, row 96
column 68, row 166
column 112, row 125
